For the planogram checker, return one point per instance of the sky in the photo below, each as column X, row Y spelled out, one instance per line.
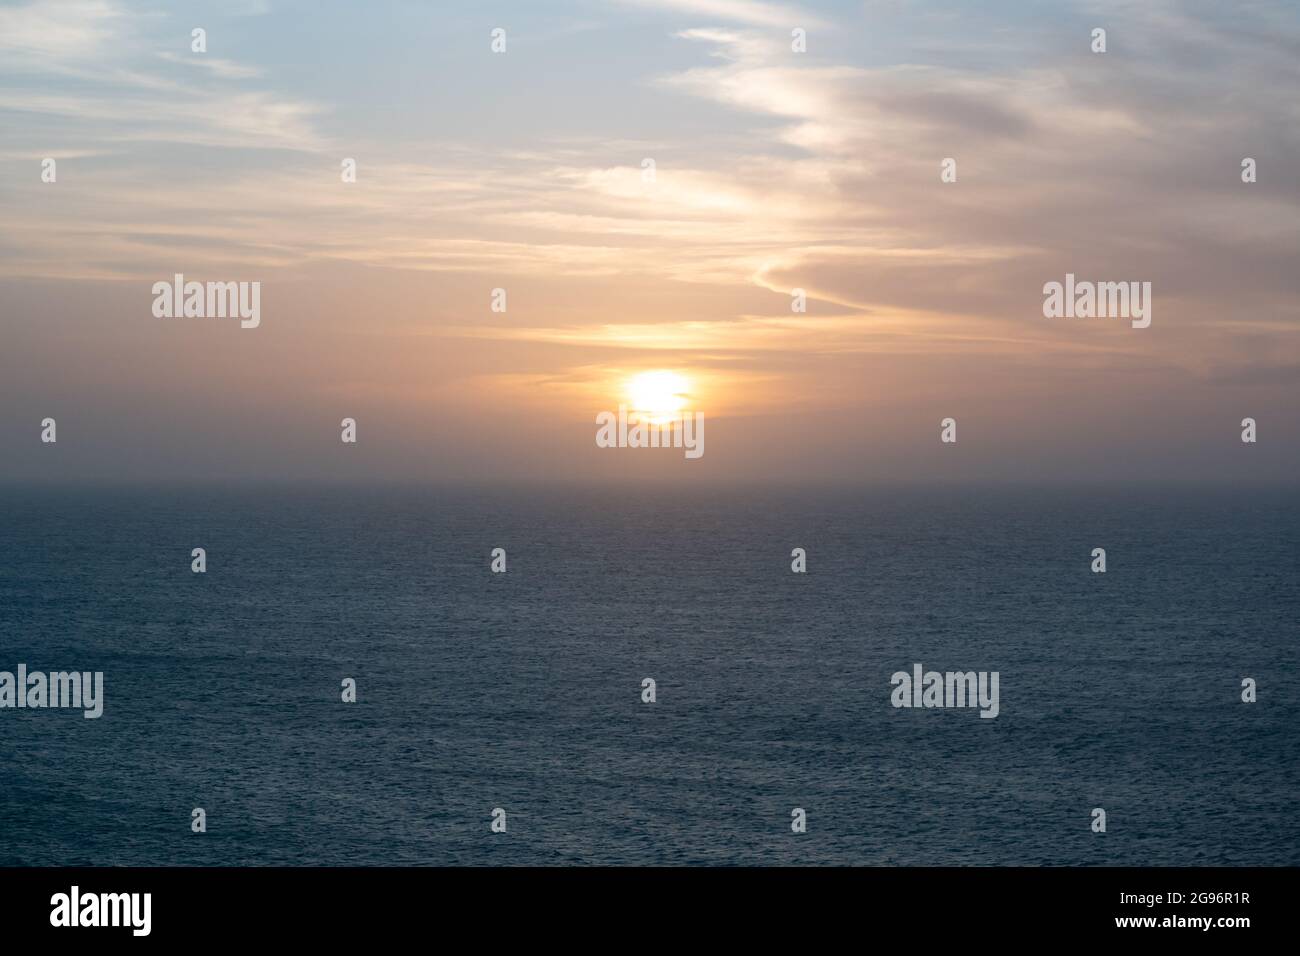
column 525, row 170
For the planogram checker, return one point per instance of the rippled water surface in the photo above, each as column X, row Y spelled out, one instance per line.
column 523, row 690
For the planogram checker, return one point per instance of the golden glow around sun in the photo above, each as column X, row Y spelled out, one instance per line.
column 659, row 395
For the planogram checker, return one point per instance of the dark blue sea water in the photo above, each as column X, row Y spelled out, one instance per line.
column 523, row 690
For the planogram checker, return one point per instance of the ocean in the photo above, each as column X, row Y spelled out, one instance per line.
column 523, row 691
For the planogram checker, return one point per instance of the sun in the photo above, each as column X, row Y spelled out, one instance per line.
column 658, row 395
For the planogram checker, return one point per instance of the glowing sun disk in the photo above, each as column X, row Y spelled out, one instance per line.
column 660, row 395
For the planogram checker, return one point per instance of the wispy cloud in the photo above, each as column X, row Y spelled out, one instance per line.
column 826, row 181
column 752, row 12
column 58, row 28
column 226, row 69
column 88, row 65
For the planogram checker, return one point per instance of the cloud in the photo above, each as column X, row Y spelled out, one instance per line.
column 57, row 28
column 827, row 179
column 226, row 69
column 750, row 12
column 774, row 171
column 86, row 75
column 1062, row 167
